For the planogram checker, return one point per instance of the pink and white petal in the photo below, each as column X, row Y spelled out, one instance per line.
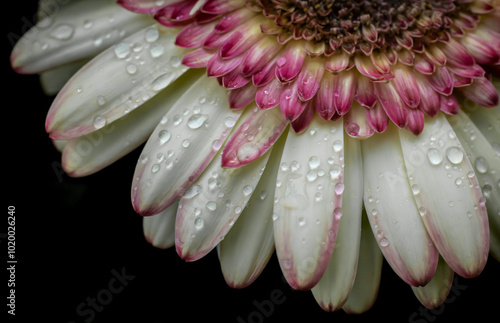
column 441, row 81
column 268, row 96
column 482, row 51
column 416, row 122
column 392, row 103
column 233, row 19
column 368, row 273
column 291, row 105
column 290, row 62
column 448, row 196
column 429, row 99
column 366, row 67
column 406, row 85
column 90, row 153
column 449, row 104
column 64, row 38
column 324, row 97
column 143, row 6
column 177, row 151
column 457, row 54
column 242, row 38
column 486, row 161
column 482, row 92
column 308, row 202
column 397, row 227
column 111, row 85
column 249, row 244
column 356, row 122
column 309, row 78
column 377, row 118
column 436, row 291
column 217, row 66
column 344, row 89
column 338, row 62
column 218, row 7
column 242, row 97
column 198, row 58
column 211, row 206
column 365, row 93
column 255, row 136
column 259, row 56
column 193, row 35
column 333, row 289
column 159, row 229
column 300, row 124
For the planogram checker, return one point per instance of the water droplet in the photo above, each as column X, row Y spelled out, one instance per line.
column 451, row 203
column 101, row 100
column 487, row 190
column 164, row 136
column 469, row 214
column 471, row 174
column 247, row 190
column 335, row 171
column 263, row 195
column 337, row 146
column 339, row 188
column 62, row 32
column 229, row 122
column 384, row 242
column 155, row 168
column 458, row 181
column 211, row 206
column 337, row 213
column 455, row 155
column 284, row 166
column 186, row 143
column 302, row 221
column 247, row 151
column 122, row 50
column 175, row 61
column 152, row 35
column 415, row 189
column 353, row 129
column 156, row 50
column 198, row 223
column 99, row 122
column 294, row 166
column 192, row 192
column 162, row 81
column 177, row 120
column 87, row 24
column 481, row 165
column 131, row 69
column 314, row 162
column 422, row 211
column 217, row 144
column 311, row 176
column 482, row 202
column 434, row 155
column 275, row 217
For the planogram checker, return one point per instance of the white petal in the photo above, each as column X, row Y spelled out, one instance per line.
column 90, row 153
column 448, row 198
column 159, row 229
column 333, row 289
column 392, row 211
column 182, row 145
column 367, row 282
column 210, row 207
column 247, row 247
column 75, row 31
column 436, row 291
column 308, row 201
column 116, row 82
column 53, row 80
column 486, row 162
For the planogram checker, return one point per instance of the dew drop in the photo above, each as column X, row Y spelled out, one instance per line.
column 294, row 166
column 62, row 32
column 314, row 162
column 196, row 121
column 162, row 81
column 337, row 146
column 152, row 35
column 339, row 188
column 192, row 192
column 229, row 122
column 99, row 122
column 335, row 171
column 415, row 189
column 164, row 136
column 263, row 195
column 469, row 214
column 337, row 213
column 481, row 165
column 211, row 206
column 311, row 175
column 156, row 50
column 122, row 50
column 353, row 129
column 384, row 242
column 247, row 190
column 186, row 143
column 101, row 100
column 247, row 151
column 131, row 69
column 302, row 221
column 434, row 156
column 422, row 211
column 175, row 61
column 487, row 191
column 198, row 223
column 455, row 155
column 458, row 181
column 155, row 168
column 275, row 217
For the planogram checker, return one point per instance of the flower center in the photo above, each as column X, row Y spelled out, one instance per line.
column 361, row 25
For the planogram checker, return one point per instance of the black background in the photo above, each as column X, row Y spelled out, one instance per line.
column 72, row 232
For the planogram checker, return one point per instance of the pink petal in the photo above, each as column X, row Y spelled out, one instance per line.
column 356, row 123
column 220, row 67
column 193, row 35
column 482, row 92
column 406, row 85
column 218, row 7
column 241, row 97
column 291, row 105
column 338, row 62
column 480, row 49
column 266, row 74
column 457, row 54
column 429, row 98
column 309, row 79
column 300, row 124
column 234, row 79
column 198, row 58
column 391, row 102
column 241, row 39
column 377, row 118
column 344, row 87
column 254, row 137
column 290, row 62
column 416, row 121
column 365, row 93
column 232, row 20
column 424, row 65
column 176, row 14
column 365, row 66
column 141, row 6
column 268, row 96
column 441, row 81
column 324, row 97
column 259, row 56
column 449, row 104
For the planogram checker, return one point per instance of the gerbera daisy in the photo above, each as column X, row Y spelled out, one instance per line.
column 275, row 125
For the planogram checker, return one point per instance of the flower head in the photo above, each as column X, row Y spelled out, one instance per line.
column 263, row 154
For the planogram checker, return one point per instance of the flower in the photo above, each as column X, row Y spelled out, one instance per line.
column 266, row 153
